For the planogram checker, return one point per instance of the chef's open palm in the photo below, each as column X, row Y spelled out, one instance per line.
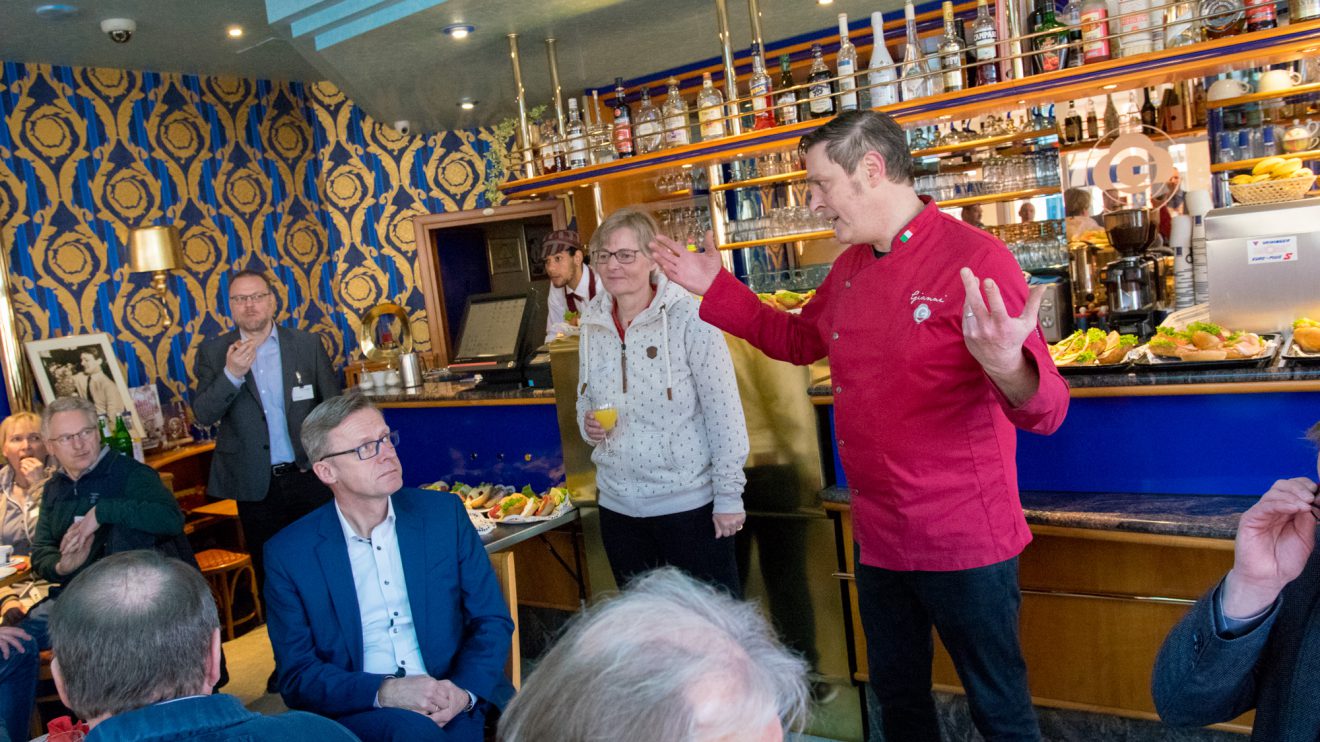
column 993, row 336
column 694, row 271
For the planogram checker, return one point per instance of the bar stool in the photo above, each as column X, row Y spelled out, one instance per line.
column 223, row 569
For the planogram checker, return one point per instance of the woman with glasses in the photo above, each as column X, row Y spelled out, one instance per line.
column 669, row 473
column 24, row 474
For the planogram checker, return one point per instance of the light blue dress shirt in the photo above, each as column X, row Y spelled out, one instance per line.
column 269, row 372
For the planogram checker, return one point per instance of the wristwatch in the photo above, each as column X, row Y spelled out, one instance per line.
column 472, row 701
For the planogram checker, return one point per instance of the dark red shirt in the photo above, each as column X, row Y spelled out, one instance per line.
column 927, row 440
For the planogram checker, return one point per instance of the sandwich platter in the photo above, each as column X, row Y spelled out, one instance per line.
column 489, row 504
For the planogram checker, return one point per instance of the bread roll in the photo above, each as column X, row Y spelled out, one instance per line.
column 1214, row 354
column 1308, row 339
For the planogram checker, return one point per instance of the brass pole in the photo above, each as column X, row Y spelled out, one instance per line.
column 730, row 73
column 754, row 10
column 554, row 82
column 18, row 383
column 524, row 133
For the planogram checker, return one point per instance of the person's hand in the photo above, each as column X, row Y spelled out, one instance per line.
column 727, row 524
column 76, row 545
column 1275, row 538
column 457, row 700
column 694, row 271
column 420, row 693
column 32, row 469
column 11, row 640
column 993, row 336
column 595, row 431
column 239, row 357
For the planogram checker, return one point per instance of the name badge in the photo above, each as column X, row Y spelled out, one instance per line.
column 301, row 393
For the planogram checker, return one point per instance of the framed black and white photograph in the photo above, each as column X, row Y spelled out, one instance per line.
column 506, row 255
column 83, row 366
column 536, row 234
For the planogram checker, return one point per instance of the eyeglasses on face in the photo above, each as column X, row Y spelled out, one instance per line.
column 368, row 450
column 68, row 439
column 242, row 299
column 601, row 257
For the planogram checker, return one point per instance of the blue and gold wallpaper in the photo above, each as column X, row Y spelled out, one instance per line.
column 284, row 177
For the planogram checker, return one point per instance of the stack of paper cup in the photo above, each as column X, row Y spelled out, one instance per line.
column 1199, row 204
column 1180, row 239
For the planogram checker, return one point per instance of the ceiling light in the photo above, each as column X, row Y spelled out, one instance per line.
column 459, row 30
column 824, row 2
column 235, row 32
column 467, row 104
column 55, row 11
column 1110, row 86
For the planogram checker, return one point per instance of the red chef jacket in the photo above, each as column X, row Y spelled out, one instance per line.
column 926, row 439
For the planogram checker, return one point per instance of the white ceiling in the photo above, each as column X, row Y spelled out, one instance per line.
column 408, row 69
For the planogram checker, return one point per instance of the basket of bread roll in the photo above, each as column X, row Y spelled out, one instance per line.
column 1272, row 180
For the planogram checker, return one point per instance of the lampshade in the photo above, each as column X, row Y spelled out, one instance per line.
column 152, row 249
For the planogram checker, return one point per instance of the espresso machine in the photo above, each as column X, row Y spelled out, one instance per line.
column 1131, row 281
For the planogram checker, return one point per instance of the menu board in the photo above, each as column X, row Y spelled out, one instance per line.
column 490, row 328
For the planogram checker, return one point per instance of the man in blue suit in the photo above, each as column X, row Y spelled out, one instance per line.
column 383, row 610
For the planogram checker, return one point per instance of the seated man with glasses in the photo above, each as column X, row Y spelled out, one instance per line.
column 97, row 502
column 382, row 607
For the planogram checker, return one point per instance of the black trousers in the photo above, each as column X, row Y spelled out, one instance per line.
column 975, row 612
column 290, row 497
column 684, row 540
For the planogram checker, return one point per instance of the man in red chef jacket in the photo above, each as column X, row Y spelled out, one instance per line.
column 935, row 358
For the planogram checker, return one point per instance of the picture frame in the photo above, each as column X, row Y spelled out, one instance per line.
column 146, row 399
column 506, row 255
column 83, row 366
column 536, row 234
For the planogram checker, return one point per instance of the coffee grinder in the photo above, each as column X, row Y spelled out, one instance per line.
column 1130, row 281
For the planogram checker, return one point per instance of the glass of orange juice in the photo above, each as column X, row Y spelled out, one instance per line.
column 608, row 416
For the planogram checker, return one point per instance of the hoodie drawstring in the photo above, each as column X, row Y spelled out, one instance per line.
column 582, row 348
column 669, row 371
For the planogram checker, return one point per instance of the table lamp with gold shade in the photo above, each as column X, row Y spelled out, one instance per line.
column 155, row 250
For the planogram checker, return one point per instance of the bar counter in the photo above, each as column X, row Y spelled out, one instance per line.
column 456, row 394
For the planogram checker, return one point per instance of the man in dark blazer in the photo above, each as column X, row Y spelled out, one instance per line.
column 1254, row 640
column 382, row 607
column 259, row 382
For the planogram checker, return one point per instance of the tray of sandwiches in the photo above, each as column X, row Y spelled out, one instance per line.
column 1304, row 344
column 1205, row 345
column 1092, row 351
column 490, row 504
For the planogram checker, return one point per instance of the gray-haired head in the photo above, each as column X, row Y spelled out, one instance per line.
column 67, row 404
column 325, row 418
column 1313, row 435
column 641, row 224
column 850, row 135
column 668, row 659
column 133, row 629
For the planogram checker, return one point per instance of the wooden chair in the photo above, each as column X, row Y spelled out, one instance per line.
column 223, row 569
column 502, row 563
column 45, row 678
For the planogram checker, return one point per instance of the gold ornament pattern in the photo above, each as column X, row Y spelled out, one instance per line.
column 292, row 179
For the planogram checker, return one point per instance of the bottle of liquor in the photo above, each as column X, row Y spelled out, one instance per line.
column 1051, row 41
column 846, row 61
column 1072, row 125
column 952, row 50
column 763, row 113
column 121, row 441
column 549, row 161
column 1072, row 18
column 1095, row 31
column 1092, row 125
column 1222, row 18
column 1171, row 111
column 650, row 130
column 1111, row 115
column 985, row 36
column 915, row 83
column 820, row 91
column 1134, row 27
column 600, row 136
column 576, row 134
column 1260, row 15
column 1149, row 117
column 103, row 425
column 881, row 74
column 786, row 105
column 623, row 121
column 1303, row 10
column 710, row 110
column 1180, row 26
column 675, row 115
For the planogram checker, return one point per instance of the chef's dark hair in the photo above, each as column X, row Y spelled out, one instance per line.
column 852, row 134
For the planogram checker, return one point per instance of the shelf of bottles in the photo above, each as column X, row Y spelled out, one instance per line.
column 764, row 180
column 819, row 234
column 1087, row 48
column 1260, row 114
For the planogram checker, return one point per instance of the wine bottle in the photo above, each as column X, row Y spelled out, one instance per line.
column 623, row 131
column 913, row 72
column 1051, row 41
column 846, row 61
column 786, row 105
column 881, row 74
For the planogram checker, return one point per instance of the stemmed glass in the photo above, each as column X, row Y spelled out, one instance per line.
column 608, row 416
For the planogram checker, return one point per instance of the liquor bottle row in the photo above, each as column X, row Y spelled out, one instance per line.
column 1178, row 108
column 1090, row 31
column 1267, row 140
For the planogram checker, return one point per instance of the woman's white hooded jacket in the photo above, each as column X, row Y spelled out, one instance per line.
column 681, row 440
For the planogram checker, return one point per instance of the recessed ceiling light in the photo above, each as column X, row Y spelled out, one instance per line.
column 55, row 11
column 824, row 2
column 1110, row 86
column 459, row 30
column 235, row 32
column 467, row 104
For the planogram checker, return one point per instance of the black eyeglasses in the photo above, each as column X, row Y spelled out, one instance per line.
column 368, row 450
column 625, row 256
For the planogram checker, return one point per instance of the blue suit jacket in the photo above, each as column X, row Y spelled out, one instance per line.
column 462, row 623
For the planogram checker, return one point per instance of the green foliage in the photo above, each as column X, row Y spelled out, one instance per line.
column 501, row 137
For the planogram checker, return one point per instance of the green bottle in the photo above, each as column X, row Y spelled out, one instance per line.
column 121, row 441
column 103, row 425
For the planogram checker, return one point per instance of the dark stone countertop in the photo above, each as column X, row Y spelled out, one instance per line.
column 1134, row 375
column 1208, row 516
column 448, row 391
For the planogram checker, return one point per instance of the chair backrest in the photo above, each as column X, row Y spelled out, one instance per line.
column 502, row 563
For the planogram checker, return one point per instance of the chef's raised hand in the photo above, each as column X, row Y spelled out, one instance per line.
column 993, row 336
column 694, row 271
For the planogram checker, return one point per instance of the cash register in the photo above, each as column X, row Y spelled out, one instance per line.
column 493, row 342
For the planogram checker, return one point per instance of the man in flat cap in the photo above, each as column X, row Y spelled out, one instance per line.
column 572, row 284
